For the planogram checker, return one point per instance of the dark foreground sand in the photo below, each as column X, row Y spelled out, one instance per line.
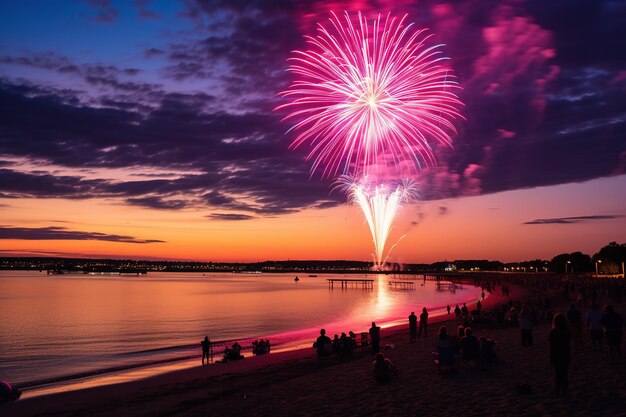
column 297, row 384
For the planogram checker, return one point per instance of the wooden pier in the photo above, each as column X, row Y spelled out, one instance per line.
column 448, row 285
column 402, row 285
column 367, row 284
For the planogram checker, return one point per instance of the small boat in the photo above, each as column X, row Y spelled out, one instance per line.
column 312, row 276
column 296, row 279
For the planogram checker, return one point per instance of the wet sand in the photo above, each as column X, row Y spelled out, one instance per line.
column 296, row 383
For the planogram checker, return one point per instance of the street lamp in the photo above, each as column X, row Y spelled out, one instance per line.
column 599, row 261
column 568, row 262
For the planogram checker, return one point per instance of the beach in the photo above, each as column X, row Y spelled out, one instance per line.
column 297, row 383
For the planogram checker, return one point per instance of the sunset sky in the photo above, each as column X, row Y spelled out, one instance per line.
column 146, row 130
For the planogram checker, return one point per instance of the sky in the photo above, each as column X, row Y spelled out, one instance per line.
column 146, row 129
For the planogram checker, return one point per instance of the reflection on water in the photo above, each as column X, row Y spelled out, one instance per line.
column 61, row 325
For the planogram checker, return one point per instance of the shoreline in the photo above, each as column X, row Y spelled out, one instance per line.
column 162, row 368
column 155, row 367
column 181, row 383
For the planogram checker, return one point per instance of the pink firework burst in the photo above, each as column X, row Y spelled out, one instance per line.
column 371, row 96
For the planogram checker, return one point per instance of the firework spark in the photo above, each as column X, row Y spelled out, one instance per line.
column 370, row 96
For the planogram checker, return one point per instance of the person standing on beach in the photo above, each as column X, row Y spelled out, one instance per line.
column 413, row 327
column 575, row 319
column 375, row 336
column 526, row 326
column 464, row 311
column 206, row 349
column 594, row 325
column 457, row 311
column 613, row 330
column 321, row 343
column 448, row 308
column 423, row 322
column 559, row 352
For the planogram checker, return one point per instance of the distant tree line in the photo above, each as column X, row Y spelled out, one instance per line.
column 610, row 260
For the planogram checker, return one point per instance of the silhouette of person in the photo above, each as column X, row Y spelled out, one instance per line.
column 375, row 336
column 448, row 308
column 384, row 370
column 575, row 319
column 457, row 311
column 413, row 327
column 423, row 322
column 560, row 355
column 526, row 326
column 464, row 311
column 594, row 325
column 206, row 349
column 613, row 325
column 321, row 342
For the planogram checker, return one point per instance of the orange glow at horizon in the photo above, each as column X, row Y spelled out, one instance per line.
column 482, row 227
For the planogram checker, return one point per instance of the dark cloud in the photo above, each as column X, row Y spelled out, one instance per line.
column 544, row 86
column 229, row 216
column 155, row 202
column 573, row 220
column 62, row 233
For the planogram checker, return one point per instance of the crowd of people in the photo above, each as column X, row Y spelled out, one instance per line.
column 261, row 347
column 340, row 346
column 463, row 347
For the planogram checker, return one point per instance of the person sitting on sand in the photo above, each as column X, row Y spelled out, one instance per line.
column 384, row 370
column 261, row 347
column 487, row 354
column 233, row 353
column 321, row 343
column 445, row 350
column 346, row 344
column 206, row 349
column 470, row 347
column 336, row 345
column 455, row 341
column 8, row 393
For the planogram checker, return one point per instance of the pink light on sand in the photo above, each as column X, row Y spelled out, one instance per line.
column 370, row 96
column 369, row 100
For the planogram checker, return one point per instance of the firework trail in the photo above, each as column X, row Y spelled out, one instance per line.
column 379, row 203
column 369, row 100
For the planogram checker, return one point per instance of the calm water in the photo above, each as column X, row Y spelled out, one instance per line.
column 63, row 325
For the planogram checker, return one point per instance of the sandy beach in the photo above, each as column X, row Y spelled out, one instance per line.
column 296, row 383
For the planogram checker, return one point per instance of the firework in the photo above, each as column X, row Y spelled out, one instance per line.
column 370, row 97
column 379, row 203
column 369, row 100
